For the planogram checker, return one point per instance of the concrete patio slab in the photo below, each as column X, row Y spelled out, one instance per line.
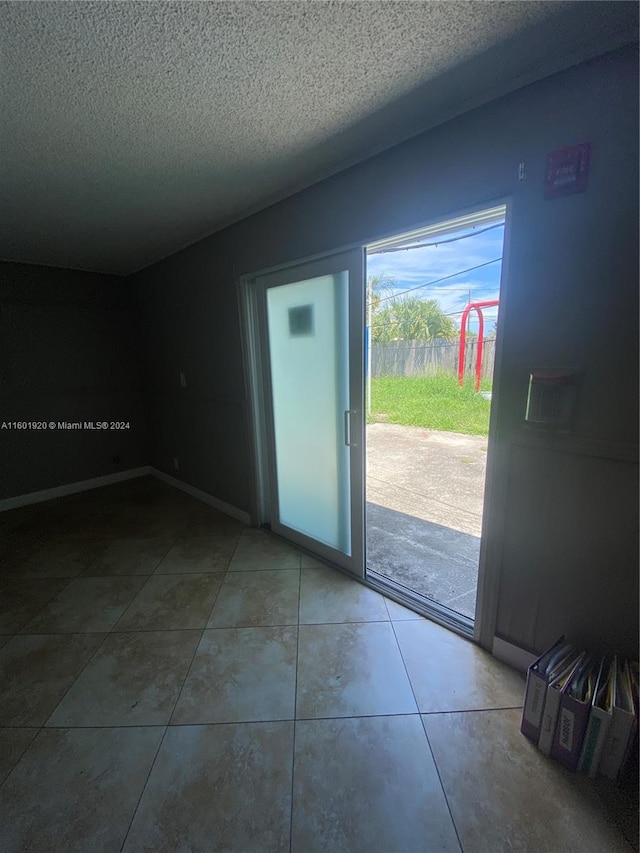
column 425, row 492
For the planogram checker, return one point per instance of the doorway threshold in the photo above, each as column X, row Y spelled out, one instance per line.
column 397, row 592
column 421, row 605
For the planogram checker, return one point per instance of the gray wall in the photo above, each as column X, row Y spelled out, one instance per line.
column 67, row 352
column 560, row 526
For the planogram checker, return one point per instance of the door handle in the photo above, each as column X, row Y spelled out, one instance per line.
column 347, row 427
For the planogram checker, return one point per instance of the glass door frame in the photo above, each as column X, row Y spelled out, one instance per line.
column 484, row 626
column 253, row 290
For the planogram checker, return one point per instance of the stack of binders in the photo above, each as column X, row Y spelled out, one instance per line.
column 581, row 711
column 542, row 672
column 599, row 720
column 623, row 722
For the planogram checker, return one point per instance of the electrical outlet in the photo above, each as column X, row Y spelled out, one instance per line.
column 176, row 463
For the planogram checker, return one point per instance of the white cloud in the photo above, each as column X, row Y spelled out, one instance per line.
column 423, row 266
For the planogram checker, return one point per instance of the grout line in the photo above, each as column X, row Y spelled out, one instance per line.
column 385, row 599
column 89, row 659
column 148, row 578
column 213, row 603
column 415, row 699
column 268, row 569
column 295, row 706
column 223, row 575
column 195, row 652
column 112, row 630
column 249, row 722
column 44, row 606
column 115, row 630
column 184, row 681
column 473, row 710
column 100, row 645
column 22, row 753
column 444, row 793
column 144, row 786
column 404, row 663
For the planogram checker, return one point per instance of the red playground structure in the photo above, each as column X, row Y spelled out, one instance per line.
column 473, row 306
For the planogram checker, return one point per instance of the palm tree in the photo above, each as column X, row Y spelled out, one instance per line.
column 378, row 284
column 412, row 319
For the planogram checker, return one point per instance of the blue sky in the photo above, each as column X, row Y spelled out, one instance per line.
column 418, row 266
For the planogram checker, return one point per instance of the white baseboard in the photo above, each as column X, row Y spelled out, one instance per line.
column 120, row 476
column 216, row 503
column 72, row 488
column 513, row 655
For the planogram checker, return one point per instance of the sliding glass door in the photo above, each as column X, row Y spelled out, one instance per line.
column 311, row 319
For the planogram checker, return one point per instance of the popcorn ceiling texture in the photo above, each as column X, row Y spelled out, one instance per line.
column 131, row 129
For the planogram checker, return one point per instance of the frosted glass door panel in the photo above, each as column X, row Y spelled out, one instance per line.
column 308, row 331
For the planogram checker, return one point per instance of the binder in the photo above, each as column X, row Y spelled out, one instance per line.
column 634, row 675
column 623, row 724
column 552, row 702
column 599, row 720
column 573, row 713
column 539, row 674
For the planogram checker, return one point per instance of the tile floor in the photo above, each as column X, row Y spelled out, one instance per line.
column 171, row 680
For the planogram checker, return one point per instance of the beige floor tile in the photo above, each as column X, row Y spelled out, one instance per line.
column 309, row 562
column 64, row 559
column 216, row 540
column 87, row 532
column 449, row 673
column 398, row 613
column 126, row 521
column 76, row 790
column 132, row 529
column 199, row 554
column 218, row 788
column 130, row 557
column 240, row 674
column 162, row 521
column 351, row 670
column 367, row 784
column 36, row 672
column 133, row 680
column 23, row 598
column 86, row 604
column 172, row 602
column 258, row 550
column 326, row 595
column 213, row 524
column 251, row 599
column 13, row 743
column 15, row 519
column 15, row 549
column 505, row 795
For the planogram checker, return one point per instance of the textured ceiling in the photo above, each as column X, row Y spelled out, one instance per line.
column 131, row 129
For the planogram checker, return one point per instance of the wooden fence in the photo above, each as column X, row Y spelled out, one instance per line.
column 417, row 358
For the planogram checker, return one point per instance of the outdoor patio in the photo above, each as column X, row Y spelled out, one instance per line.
column 424, row 510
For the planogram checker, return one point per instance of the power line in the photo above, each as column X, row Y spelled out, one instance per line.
column 438, row 280
column 449, row 288
column 437, row 243
column 445, row 314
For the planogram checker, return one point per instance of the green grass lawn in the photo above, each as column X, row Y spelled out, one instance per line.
column 433, row 402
